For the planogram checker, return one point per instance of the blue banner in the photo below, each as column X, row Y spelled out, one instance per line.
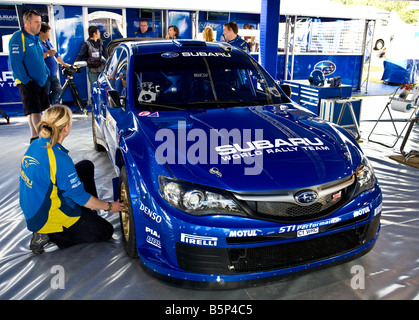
column 348, row 67
column 8, row 91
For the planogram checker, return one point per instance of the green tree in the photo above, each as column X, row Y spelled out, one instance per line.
column 401, row 7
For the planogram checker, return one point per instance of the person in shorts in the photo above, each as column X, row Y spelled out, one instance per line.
column 30, row 72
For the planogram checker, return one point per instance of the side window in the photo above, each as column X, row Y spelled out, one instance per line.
column 110, row 68
column 121, row 74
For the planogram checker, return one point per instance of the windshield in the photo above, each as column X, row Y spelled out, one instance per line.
column 195, row 80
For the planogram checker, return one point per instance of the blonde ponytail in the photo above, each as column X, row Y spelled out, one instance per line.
column 53, row 120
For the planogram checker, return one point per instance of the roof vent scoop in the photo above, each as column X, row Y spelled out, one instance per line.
column 189, row 43
column 225, row 46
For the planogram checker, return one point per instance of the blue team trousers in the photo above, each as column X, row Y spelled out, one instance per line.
column 90, row 227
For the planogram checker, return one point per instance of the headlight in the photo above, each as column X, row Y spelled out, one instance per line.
column 365, row 177
column 197, row 200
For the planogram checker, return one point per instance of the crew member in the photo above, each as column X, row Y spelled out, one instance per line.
column 52, row 59
column 30, row 72
column 56, row 196
column 92, row 51
column 230, row 33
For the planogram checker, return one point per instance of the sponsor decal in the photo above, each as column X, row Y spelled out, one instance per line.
column 150, row 213
column 198, row 240
column 307, row 232
column 243, row 233
column 361, row 211
column 170, row 55
column 322, row 223
column 306, row 226
column 194, row 144
column 252, row 148
column 144, row 113
column 153, row 241
column 27, row 161
column 200, row 75
column 378, row 209
column 153, row 237
column 111, row 125
column 206, row 54
column 154, row 115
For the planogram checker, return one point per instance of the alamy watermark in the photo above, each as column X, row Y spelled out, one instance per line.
column 222, row 146
column 358, row 280
column 58, row 278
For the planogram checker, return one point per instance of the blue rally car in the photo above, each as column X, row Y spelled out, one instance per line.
column 225, row 179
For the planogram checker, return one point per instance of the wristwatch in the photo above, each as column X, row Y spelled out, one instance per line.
column 47, row 55
column 109, row 206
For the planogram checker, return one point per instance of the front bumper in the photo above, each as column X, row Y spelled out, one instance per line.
column 224, row 254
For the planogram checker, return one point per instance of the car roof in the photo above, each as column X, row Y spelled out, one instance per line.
column 159, row 46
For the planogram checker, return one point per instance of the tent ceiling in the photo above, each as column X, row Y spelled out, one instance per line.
column 306, row 8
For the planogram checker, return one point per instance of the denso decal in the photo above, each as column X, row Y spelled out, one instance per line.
column 198, row 240
column 150, row 213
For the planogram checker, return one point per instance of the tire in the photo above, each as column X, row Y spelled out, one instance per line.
column 126, row 216
column 97, row 146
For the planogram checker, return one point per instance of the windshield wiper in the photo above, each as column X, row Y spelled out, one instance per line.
column 222, row 102
column 165, row 106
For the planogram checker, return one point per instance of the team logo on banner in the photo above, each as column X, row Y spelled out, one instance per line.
column 325, row 66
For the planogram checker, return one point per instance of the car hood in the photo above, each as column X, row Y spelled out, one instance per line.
column 250, row 148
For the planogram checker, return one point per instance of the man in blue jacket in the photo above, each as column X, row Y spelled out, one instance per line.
column 30, row 72
column 52, row 59
column 230, row 33
column 143, row 31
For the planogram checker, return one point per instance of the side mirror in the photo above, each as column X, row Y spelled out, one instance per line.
column 114, row 100
column 287, row 89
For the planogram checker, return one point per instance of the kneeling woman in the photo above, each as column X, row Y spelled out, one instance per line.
column 56, row 196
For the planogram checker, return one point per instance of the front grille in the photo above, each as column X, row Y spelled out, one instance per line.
column 272, row 257
column 284, row 208
column 293, row 211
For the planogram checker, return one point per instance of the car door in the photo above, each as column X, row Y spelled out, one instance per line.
column 114, row 116
column 103, row 85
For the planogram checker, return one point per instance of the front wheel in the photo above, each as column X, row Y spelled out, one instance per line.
column 126, row 217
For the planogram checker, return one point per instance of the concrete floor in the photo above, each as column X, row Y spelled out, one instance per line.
column 104, row 271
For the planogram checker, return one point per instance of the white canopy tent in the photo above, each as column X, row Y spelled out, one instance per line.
column 304, row 8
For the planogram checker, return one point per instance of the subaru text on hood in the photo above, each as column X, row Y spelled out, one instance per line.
column 225, row 179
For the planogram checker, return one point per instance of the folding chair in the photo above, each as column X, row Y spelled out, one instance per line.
column 397, row 104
